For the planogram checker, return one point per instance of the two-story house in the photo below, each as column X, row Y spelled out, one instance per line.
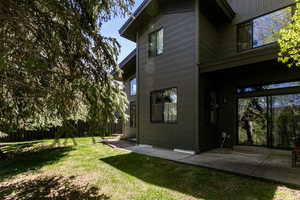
column 205, row 73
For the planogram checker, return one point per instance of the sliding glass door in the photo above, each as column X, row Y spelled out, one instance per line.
column 272, row 121
column 285, row 120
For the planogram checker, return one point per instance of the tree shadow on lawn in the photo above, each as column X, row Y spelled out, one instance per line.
column 15, row 147
column 30, row 157
column 48, row 187
column 192, row 180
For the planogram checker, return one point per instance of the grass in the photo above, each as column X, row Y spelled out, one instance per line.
column 37, row 170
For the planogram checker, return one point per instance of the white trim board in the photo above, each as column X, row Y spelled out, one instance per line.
column 184, row 151
column 145, row 146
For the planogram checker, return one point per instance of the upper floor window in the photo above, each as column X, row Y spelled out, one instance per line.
column 133, row 87
column 156, row 43
column 164, row 106
column 263, row 30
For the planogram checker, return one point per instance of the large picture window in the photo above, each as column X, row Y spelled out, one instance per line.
column 156, row 43
column 263, row 30
column 164, row 106
column 133, row 114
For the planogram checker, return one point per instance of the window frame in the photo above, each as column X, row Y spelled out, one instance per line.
column 155, row 53
column 130, row 88
column 132, row 123
column 264, row 87
column 163, row 104
column 251, row 21
column 240, row 25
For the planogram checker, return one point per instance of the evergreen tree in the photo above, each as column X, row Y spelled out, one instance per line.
column 55, row 65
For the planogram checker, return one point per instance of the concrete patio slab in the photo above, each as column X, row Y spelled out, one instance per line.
column 160, row 153
column 269, row 164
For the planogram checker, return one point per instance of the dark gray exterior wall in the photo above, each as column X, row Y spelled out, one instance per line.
column 193, row 44
column 129, row 132
column 227, row 81
column 223, row 69
column 218, row 43
column 246, row 10
column 176, row 67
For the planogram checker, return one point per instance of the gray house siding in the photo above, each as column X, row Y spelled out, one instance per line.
column 218, row 52
column 219, row 43
column 200, row 58
column 247, row 9
column 176, row 67
column 208, row 40
column 252, row 67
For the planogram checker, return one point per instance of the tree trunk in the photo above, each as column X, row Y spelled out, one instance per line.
column 247, row 128
column 2, row 155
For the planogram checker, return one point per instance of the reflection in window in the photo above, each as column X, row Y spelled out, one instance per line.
column 245, row 36
column 266, row 29
column 156, row 43
column 285, row 120
column 263, row 30
column 270, row 120
column 252, row 113
column 133, row 87
column 132, row 114
column 164, row 106
column 269, row 87
column 160, row 42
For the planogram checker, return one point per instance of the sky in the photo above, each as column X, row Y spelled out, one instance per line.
column 111, row 29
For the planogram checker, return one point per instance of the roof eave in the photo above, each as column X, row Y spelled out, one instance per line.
column 128, row 59
column 228, row 11
column 124, row 29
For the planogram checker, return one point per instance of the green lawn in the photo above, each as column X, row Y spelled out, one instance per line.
column 95, row 171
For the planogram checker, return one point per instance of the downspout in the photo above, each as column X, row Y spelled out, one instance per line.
column 196, row 92
column 138, row 89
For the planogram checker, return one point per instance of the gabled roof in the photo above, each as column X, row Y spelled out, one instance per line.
column 136, row 13
column 218, row 11
column 125, row 29
column 128, row 59
column 128, row 65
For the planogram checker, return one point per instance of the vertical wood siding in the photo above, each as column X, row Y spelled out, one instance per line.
column 220, row 42
column 176, row 67
column 247, row 9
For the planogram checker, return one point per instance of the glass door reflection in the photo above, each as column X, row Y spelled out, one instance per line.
column 285, row 120
column 253, row 121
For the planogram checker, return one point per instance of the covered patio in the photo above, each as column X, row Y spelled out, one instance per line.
column 269, row 164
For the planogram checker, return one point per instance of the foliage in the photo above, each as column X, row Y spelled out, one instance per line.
column 55, row 65
column 289, row 41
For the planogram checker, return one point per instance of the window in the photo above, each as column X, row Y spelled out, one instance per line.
column 133, row 114
column 164, row 106
column 245, row 36
column 133, row 87
column 268, row 87
column 156, row 43
column 263, row 30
